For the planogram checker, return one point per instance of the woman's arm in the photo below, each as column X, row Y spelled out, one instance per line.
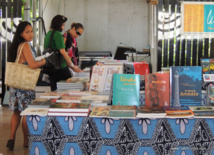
column 69, row 62
column 27, row 56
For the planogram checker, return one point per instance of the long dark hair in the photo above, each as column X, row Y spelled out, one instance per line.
column 57, row 22
column 17, row 40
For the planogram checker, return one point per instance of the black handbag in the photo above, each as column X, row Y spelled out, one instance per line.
column 54, row 61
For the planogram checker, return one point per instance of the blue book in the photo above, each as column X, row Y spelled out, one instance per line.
column 126, row 89
column 185, row 85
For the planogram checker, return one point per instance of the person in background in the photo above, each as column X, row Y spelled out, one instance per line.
column 19, row 99
column 58, row 24
column 70, row 36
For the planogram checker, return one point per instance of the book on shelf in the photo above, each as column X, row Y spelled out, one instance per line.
column 117, row 114
column 185, row 85
column 100, row 112
column 65, row 98
column 157, row 89
column 35, row 111
column 151, row 112
column 69, row 107
column 126, row 89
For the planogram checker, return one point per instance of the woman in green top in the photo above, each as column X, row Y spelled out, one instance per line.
column 58, row 24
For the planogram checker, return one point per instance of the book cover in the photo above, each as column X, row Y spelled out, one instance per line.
column 170, row 108
column 69, row 107
column 157, row 90
column 116, row 69
column 123, row 107
column 97, row 78
column 100, row 112
column 35, row 111
column 126, row 89
column 40, row 103
column 121, row 114
column 185, row 85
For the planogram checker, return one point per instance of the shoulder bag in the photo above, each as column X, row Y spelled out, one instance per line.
column 21, row 76
column 54, row 61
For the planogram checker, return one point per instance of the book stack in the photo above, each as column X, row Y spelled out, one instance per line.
column 68, row 109
column 150, row 112
column 126, row 112
column 73, row 84
column 178, row 112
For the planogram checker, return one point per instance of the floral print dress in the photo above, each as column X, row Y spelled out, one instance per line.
column 19, row 99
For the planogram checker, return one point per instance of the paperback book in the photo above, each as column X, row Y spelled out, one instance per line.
column 151, row 112
column 35, row 111
column 157, row 89
column 185, row 85
column 126, row 89
column 117, row 114
column 100, row 112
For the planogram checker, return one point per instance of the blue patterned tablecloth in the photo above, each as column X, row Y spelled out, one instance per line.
column 105, row 136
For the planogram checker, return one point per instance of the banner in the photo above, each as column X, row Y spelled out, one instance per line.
column 197, row 18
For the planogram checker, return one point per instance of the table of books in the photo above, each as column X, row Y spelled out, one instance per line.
column 106, row 136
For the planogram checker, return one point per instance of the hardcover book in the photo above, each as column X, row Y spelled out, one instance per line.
column 40, row 103
column 126, row 89
column 157, row 90
column 201, row 108
column 83, row 114
column 100, row 112
column 185, row 85
column 151, row 111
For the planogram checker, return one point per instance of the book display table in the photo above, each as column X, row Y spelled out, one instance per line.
column 85, row 135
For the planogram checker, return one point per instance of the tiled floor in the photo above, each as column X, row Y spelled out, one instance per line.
column 5, row 116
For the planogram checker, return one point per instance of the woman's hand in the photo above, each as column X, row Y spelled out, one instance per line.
column 76, row 69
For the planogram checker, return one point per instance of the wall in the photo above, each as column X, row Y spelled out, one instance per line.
column 106, row 22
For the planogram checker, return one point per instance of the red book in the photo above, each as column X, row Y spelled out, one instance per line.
column 141, row 68
column 157, row 89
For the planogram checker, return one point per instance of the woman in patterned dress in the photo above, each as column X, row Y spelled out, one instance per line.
column 19, row 99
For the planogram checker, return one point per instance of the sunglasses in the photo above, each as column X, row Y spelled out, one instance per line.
column 78, row 33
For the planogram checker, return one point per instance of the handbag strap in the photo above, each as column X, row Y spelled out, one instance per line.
column 51, row 38
column 19, row 52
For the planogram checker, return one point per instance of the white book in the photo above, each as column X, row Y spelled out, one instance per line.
column 66, row 114
column 39, row 58
column 35, row 111
column 97, row 78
